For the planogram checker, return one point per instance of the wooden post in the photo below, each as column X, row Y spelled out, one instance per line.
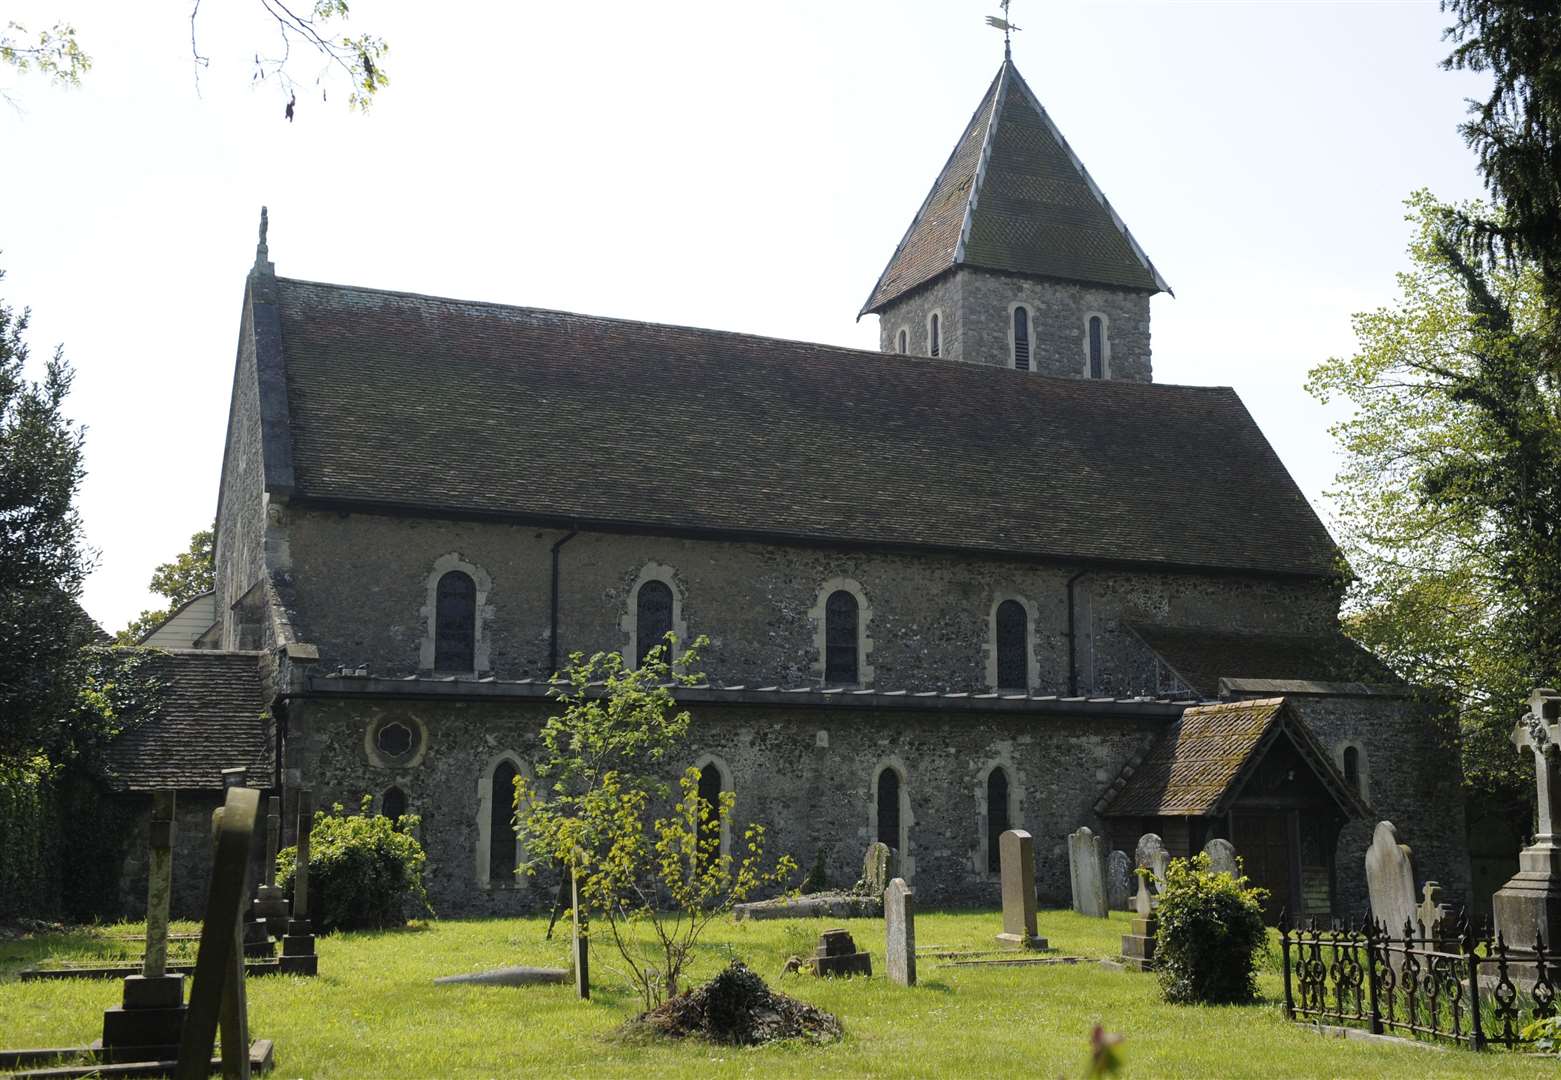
column 581, row 942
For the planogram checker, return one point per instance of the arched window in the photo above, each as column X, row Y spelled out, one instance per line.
column 455, row 623
column 889, row 808
column 710, row 788
column 903, row 341
column 840, row 638
column 653, row 619
column 1097, row 347
column 502, row 847
column 393, row 804
column 935, row 334
column 1352, row 768
column 1013, row 646
column 996, row 815
column 1022, row 338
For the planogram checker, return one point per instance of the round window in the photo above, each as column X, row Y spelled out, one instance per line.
column 395, row 739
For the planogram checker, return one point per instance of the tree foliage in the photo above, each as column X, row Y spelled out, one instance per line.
column 365, row 871
column 52, row 52
column 1516, row 133
column 1449, row 499
column 1209, row 936
column 655, row 874
column 43, row 554
column 190, row 573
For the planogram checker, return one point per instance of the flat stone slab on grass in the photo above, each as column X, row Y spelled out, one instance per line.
column 816, row 906
column 507, row 976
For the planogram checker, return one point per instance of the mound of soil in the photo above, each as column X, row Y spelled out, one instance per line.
column 737, row 1008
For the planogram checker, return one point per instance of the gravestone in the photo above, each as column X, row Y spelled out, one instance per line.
column 1529, row 904
column 1432, row 917
column 836, row 955
column 1138, row 944
column 298, row 957
column 217, row 992
column 899, row 919
column 1222, row 857
column 268, row 914
column 148, row 1023
column 877, row 868
column 1119, row 881
column 1016, row 854
column 1390, row 879
column 1087, row 868
column 507, row 976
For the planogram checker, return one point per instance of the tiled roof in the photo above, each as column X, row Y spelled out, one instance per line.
column 211, row 716
column 446, row 407
column 1197, row 767
column 1200, row 658
column 1013, row 197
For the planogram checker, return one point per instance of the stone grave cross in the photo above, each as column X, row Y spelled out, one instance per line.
column 298, row 956
column 1432, row 914
column 159, row 885
column 1528, row 906
column 1534, row 734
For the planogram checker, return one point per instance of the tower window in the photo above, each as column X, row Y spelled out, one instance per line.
column 455, row 622
column 935, row 334
column 1012, row 646
column 1097, row 347
column 996, row 815
column 502, row 845
column 1022, row 338
column 903, row 341
column 653, row 619
column 840, row 638
column 889, row 808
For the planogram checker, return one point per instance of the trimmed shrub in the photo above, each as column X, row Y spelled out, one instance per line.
column 365, row 871
column 1210, row 935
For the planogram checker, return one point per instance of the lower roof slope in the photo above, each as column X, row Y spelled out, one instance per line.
column 210, row 715
column 1201, row 658
column 455, row 408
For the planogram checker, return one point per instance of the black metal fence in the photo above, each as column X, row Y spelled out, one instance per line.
column 1465, row 987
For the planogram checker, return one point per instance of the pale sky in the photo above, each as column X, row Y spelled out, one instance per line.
column 742, row 166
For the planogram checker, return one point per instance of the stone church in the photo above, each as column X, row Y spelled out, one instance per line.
column 990, row 576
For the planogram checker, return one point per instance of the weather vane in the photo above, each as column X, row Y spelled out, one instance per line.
column 1002, row 23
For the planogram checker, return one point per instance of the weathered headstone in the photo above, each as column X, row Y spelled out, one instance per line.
column 899, row 918
column 580, row 941
column 268, row 914
column 1087, row 869
column 148, row 1024
column 1119, row 881
column 836, row 955
column 877, row 868
column 1139, row 944
column 298, row 957
column 1390, row 879
column 1016, row 854
column 218, row 988
column 1529, row 904
column 1432, row 917
column 1222, row 857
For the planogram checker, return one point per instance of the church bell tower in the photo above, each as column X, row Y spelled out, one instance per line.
column 1016, row 259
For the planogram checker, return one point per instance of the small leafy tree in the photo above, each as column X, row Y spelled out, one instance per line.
column 365, row 871
column 1210, row 935
column 189, row 574
column 599, row 809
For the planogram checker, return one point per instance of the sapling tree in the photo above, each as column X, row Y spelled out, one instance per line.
column 647, row 856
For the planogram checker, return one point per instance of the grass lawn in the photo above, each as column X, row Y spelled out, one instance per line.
column 374, row 1012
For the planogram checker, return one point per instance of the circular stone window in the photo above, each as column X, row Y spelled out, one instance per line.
column 395, row 739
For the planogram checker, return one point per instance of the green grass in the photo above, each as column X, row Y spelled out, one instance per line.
column 374, row 1012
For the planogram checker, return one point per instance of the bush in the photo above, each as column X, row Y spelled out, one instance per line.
column 1210, row 935
column 365, row 871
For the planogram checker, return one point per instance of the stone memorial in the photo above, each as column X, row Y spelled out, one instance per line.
column 1432, row 917
column 268, row 913
column 1529, row 904
column 899, row 918
column 1390, row 879
column 1222, row 857
column 1139, row 943
column 1119, row 881
column 1016, row 855
column 1087, row 869
column 836, row 955
column 877, row 868
column 217, row 991
column 298, row 956
column 148, row 1023
column 507, row 976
